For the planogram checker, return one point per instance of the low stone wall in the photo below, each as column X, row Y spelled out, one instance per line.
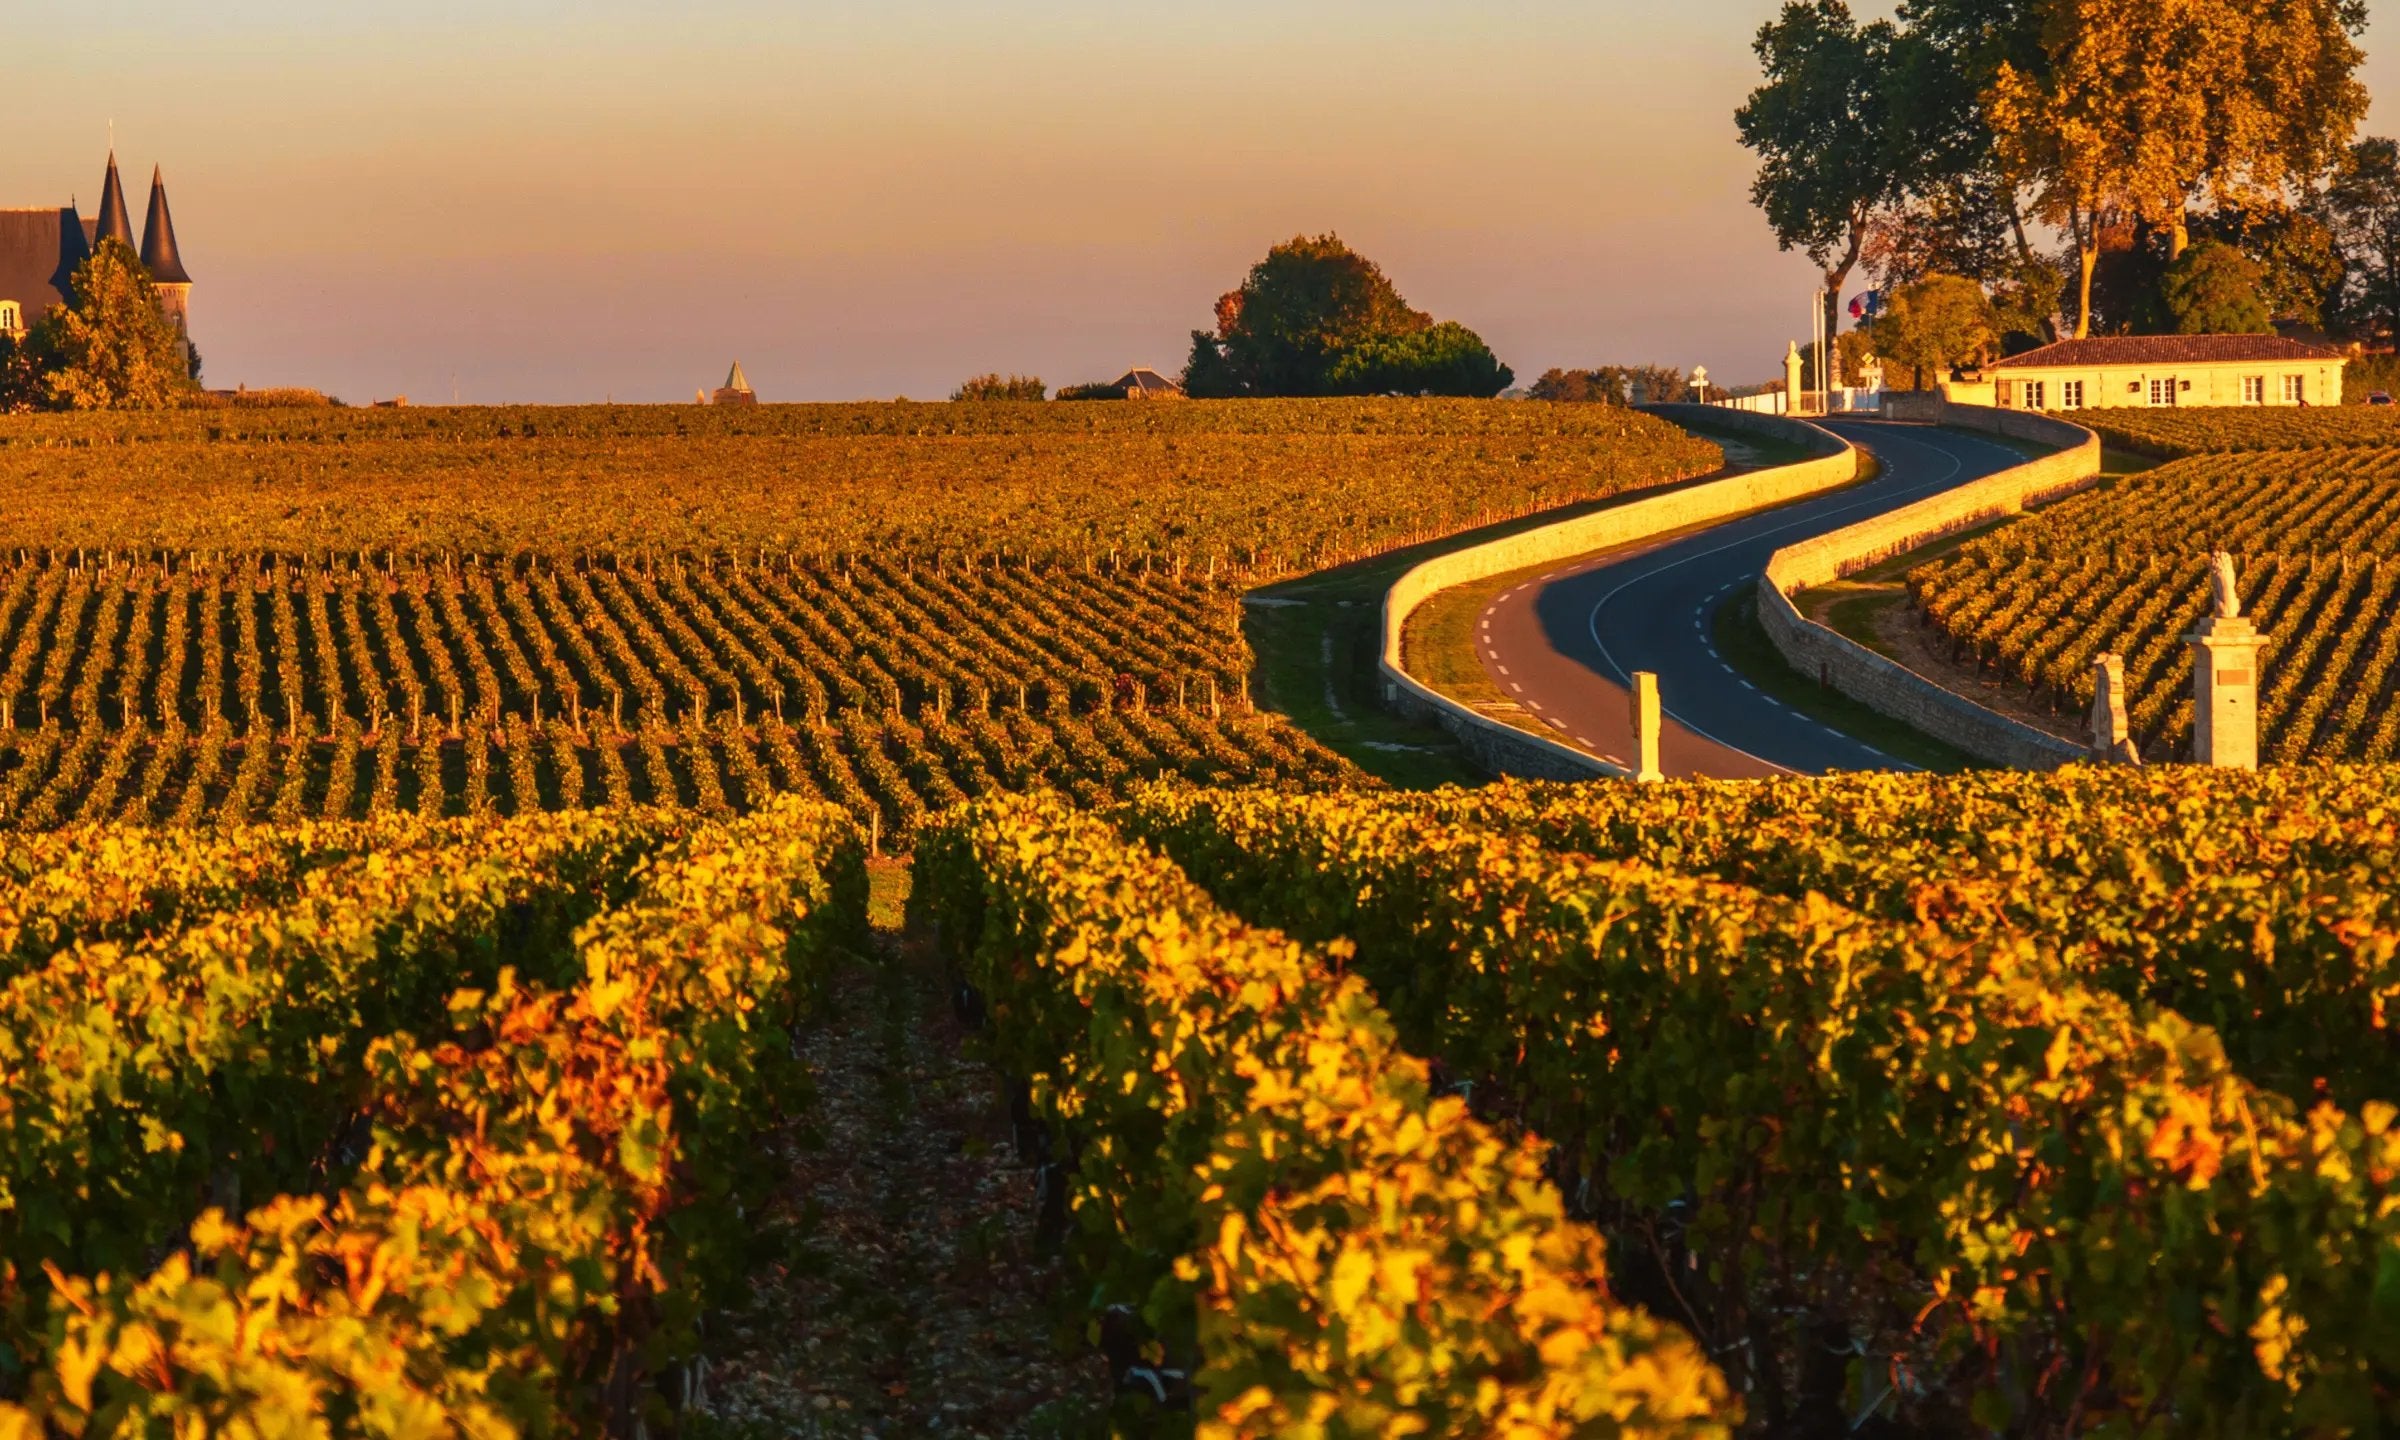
column 1881, row 683
column 1505, row 749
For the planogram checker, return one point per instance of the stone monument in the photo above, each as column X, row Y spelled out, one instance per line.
column 1794, row 402
column 2225, row 677
column 2112, row 736
column 1645, row 727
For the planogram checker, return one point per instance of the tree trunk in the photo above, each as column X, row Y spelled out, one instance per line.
column 2025, row 257
column 1835, row 278
column 2087, row 252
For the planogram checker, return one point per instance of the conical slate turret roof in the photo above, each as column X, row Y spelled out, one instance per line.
column 737, row 380
column 159, row 254
column 114, row 223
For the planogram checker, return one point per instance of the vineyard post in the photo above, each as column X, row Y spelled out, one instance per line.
column 1645, row 727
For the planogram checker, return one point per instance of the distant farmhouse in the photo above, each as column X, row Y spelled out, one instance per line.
column 40, row 250
column 2112, row 372
column 1144, row 383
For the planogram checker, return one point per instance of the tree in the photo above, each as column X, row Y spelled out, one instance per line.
column 1939, row 322
column 1317, row 318
column 111, row 347
column 1002, row 387
column 20, row 382
column 2299, row 257
column 1962, row 213
column 1820, row 123
column 2363, row 204
column 1610, row 385
column 1448, row 359
column 2214, row 290
column 2138, row 107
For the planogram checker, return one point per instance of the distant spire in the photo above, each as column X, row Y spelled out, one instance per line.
column 158, row 237
column 114, row 223
column 737, row 380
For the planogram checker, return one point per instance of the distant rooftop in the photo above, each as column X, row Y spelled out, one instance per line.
column 2166, row 350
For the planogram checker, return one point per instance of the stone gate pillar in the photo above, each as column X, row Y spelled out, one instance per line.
column 2112, row 735
column 2225, row 679
column 1645, row 727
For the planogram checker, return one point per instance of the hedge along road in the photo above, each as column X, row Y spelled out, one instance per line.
column 1566, row 646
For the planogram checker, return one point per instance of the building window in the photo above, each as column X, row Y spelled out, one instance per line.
column 2295, row 389
column 10, row 318
column 2162, row 392
column 2254, row 390
column 2070, row 394
column 2007, row 394
column 2037, row 395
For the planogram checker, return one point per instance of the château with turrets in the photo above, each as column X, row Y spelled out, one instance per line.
column 41, row 248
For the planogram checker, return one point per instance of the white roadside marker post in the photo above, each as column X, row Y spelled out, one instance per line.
column 1645, row 727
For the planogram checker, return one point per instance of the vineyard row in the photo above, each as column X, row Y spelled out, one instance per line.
column 1886, row 1171
column 2124, row 572
column 434, row 1155
column 300, row 647
column 883, row 770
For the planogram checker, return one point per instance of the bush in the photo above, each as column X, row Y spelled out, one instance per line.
column 1002, row 387
column 1097, row 390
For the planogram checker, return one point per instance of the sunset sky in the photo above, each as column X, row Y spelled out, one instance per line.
column 566, row 201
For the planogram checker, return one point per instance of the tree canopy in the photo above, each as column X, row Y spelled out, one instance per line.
column 110, row 348
column 2363, row 208
column 1936, row 323
column 1821, row 122
column 1317, row 318
column 2214, row 289
column 1964, row 136
column 1610, row 385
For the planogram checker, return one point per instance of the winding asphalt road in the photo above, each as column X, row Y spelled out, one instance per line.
column 1566, row 645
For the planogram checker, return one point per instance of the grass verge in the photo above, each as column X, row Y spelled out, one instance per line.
column 1744, row 644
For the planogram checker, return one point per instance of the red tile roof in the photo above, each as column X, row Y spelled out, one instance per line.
column 2165, row 350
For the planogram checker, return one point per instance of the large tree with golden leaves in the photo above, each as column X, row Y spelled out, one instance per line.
column 111, row 347
column 2139, row 107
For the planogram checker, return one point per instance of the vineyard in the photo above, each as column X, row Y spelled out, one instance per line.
column 1962, row 1155
column 1535, row 1110
column 187, row 690
column 234, row 616
column 2123, row 570
column 406, row 1128
column 1263, row 488
column 2178, row 434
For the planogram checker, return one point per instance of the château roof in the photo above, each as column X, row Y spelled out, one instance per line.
column 39, row 250
column 2099, row 350
column 159, row 255
column 1141, row 379
column 737, row 380
column 114, row 223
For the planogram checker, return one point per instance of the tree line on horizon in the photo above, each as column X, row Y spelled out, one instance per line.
column 2084, row 167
